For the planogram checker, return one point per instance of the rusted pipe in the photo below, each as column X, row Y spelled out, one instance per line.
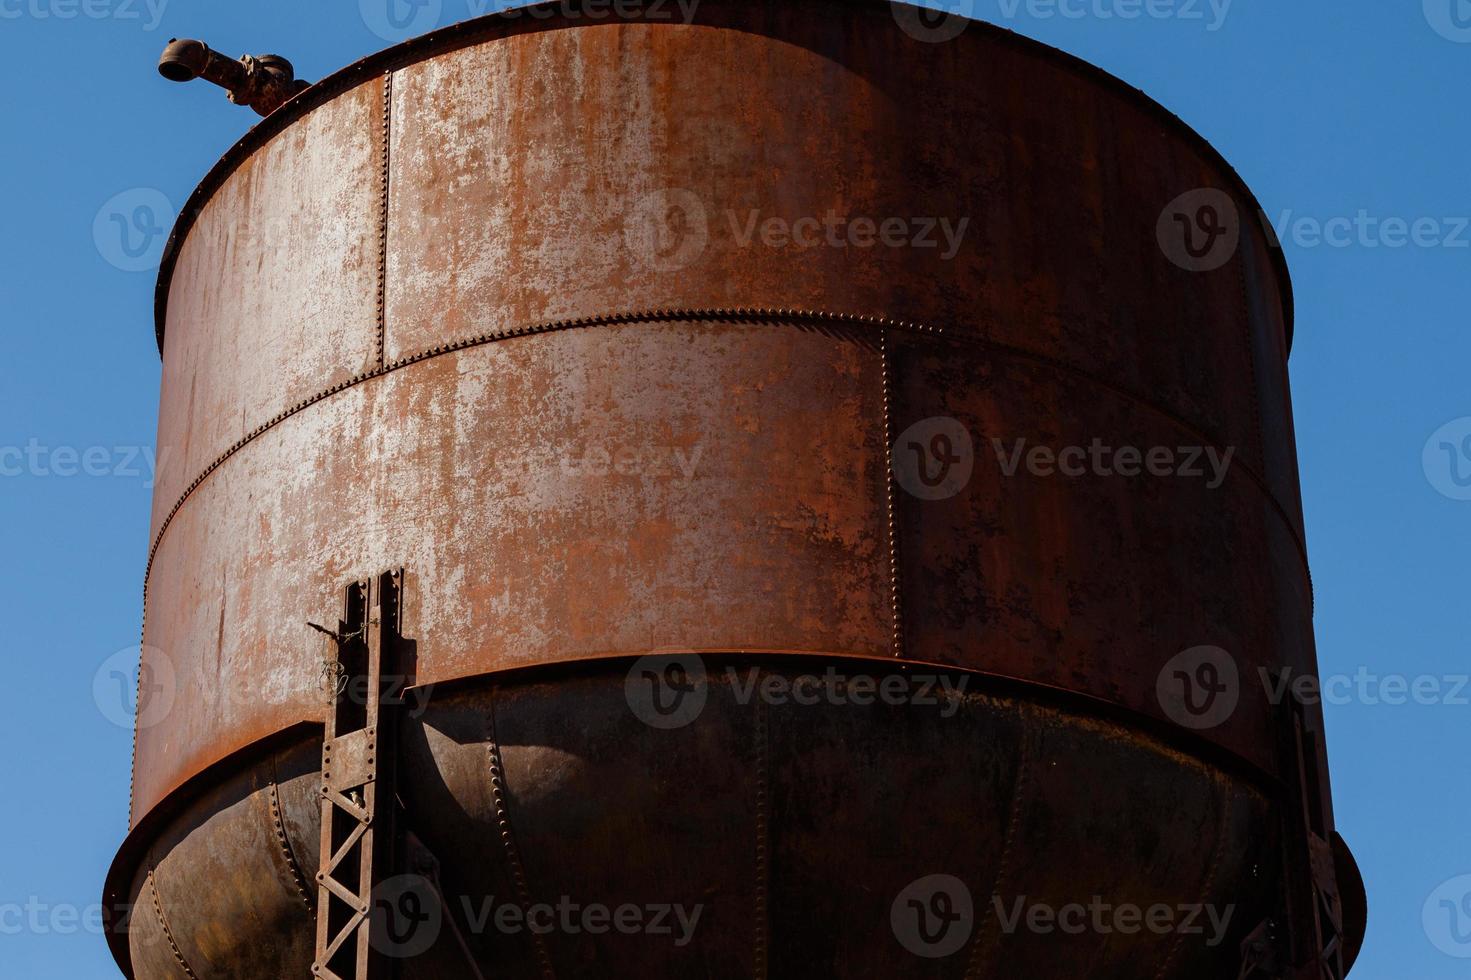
column 264, row 83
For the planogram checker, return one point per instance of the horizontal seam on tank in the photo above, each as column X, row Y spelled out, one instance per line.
column 775, row 317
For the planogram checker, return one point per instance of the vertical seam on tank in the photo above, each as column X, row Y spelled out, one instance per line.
column 979, row 946
column 1256, row 399
column 137, row 697
column 508, row 839
column 896, row 605
column 168, row 933
column 1210, row 880
column 761, row 946
column 279, row 825
column 385, row 136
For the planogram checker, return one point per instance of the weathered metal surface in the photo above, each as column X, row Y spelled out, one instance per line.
column 1062, row 182
column 995, row 577
column 404, row 330
column 686, row 469
column 591, row 492
column 283, row 270
column 851, row 803
column 227, row 877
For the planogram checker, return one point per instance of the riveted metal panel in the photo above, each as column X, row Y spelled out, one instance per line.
column 644, row 179
column 1184, row 550
column 575, row 494
column 282, row 272
column 512, row 316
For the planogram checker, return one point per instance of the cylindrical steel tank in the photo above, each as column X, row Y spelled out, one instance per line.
column 711, row 331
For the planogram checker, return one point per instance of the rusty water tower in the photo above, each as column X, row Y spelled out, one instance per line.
column 584, row 376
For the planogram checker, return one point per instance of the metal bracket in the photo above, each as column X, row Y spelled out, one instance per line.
column 1315, row 934
column 1260, row 951
column 359, row 840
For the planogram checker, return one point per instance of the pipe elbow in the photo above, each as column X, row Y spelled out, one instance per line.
column 183, row 60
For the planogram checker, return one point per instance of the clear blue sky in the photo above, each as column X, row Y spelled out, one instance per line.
column 1327, row 109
